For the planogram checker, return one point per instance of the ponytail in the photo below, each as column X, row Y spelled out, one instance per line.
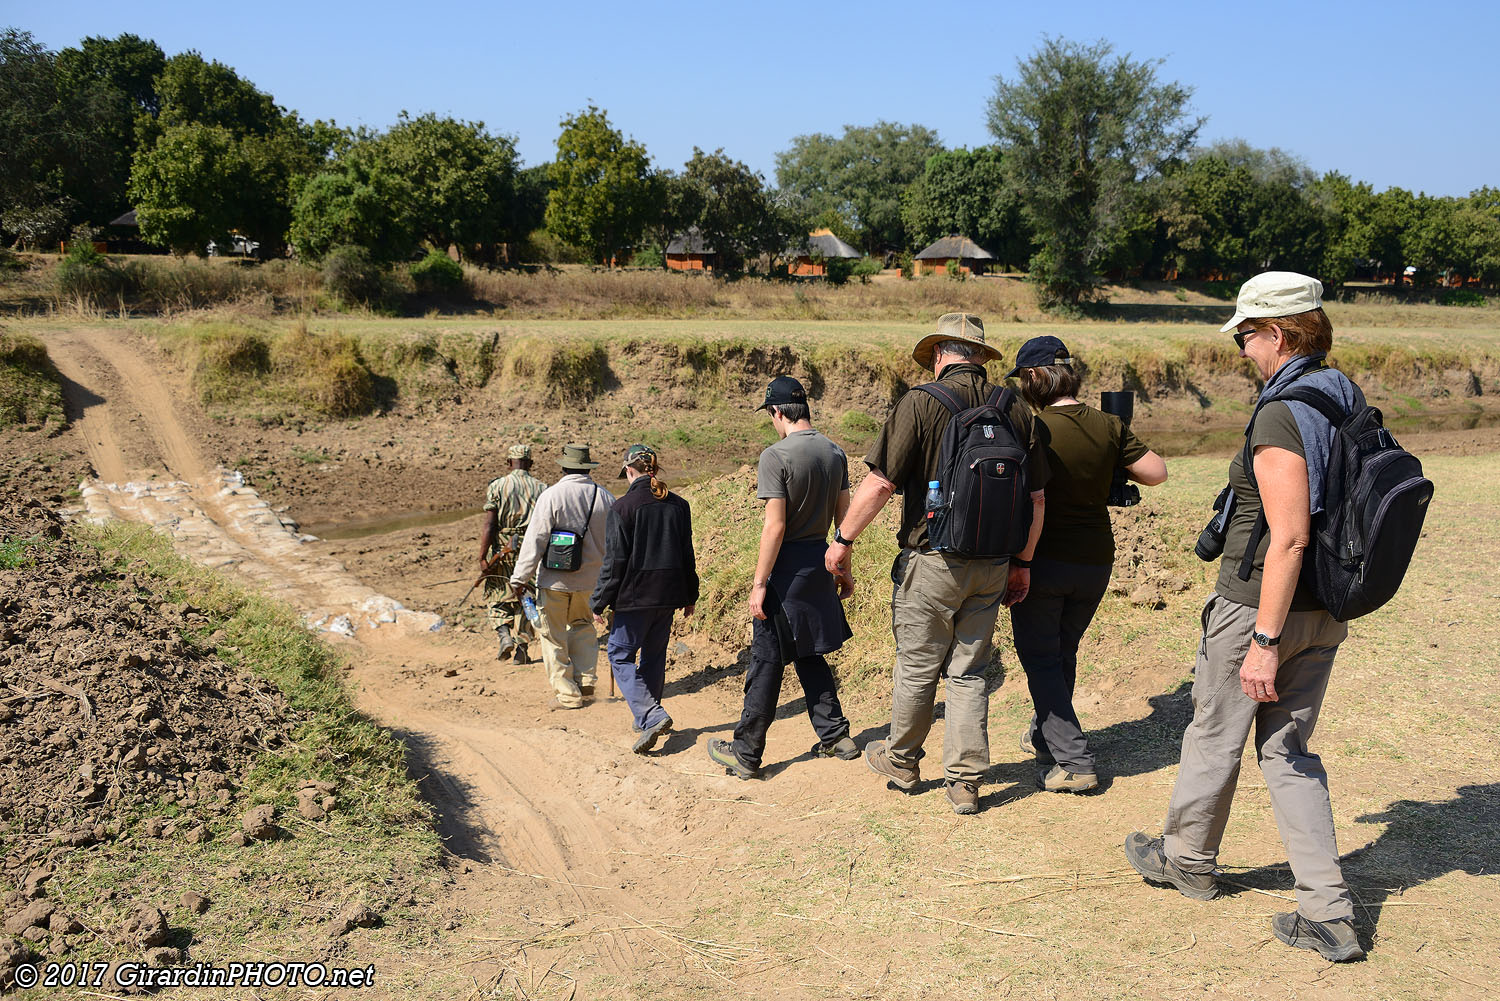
column 647, row 464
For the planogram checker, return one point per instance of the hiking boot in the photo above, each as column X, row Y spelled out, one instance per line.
column 647, row 740
column 519, row 655
column 880, row 763
column 845, row 749
column 1334, row 940
column 963, row 797
column 587, row 690
column 1059, row 779
column 722, row 751
column 1029, row 747
column 507, row 649
column 556, row 706
column 1148, row 857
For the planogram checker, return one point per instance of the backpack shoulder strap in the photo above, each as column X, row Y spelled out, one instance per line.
column 1319, row 401
column 944, row 396
column 590, row 517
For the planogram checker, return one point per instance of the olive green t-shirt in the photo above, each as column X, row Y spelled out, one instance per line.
column 1274, row 426
column 911, row 443
column 1084, row 448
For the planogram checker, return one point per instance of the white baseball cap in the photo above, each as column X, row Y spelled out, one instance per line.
column 1275, row 293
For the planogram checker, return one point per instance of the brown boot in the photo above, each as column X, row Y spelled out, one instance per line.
column 879, row 760
column 963, row 797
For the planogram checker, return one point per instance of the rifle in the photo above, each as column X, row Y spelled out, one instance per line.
column 512, row 543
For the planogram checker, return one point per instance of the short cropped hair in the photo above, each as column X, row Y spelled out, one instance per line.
column 793, row 412
column 964, row 349
column 1305, row 333
column 1044, row 385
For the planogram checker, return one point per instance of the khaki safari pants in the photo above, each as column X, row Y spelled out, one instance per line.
column 1214, row 742
column 570, row 646
column 943, row 612
column 503, row 606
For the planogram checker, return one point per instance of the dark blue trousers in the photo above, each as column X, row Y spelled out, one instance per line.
column 643, row 634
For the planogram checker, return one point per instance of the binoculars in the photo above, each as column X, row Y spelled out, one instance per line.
column 1122, row 493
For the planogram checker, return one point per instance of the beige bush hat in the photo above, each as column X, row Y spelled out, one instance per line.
column 1275, row 293
column 954, row 327
column 576, row 457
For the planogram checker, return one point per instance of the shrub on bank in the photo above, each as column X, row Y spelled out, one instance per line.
column 30, row 387
column 353, row 276
column 323, row 372
column 437, row 274
column 86, row 278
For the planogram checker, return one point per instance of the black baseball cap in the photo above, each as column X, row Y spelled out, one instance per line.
column 1040, row 352
column 782, row 391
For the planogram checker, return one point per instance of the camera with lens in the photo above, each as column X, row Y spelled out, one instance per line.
column 1210, row 544
column 1122, row 493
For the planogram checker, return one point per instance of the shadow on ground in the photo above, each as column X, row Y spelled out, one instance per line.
column 463, row 832
column 1422, row 841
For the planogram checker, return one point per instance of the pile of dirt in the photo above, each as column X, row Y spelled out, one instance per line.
column 1148, row 565
column 109, row 705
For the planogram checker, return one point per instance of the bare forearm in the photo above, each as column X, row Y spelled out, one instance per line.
column 771, row 536
column 868, row 501
column 1038, row 512
column 1278, row 582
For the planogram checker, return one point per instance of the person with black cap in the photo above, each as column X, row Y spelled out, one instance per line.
column 1074, row 555
column 649, row 571
column 795, row 603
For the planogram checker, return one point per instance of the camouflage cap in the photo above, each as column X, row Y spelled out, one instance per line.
column 520, row 452
column 633, row 453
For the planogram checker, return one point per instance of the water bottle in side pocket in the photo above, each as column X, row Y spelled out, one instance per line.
column 528, row 607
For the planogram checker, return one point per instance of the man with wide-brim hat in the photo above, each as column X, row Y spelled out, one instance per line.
column 943, row 608
column 563, row 550
column 508, row 503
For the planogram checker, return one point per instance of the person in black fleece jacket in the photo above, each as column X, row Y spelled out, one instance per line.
column 649, row 572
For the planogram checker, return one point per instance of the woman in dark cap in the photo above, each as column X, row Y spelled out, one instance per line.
column 649, row 572
column 1070, row 569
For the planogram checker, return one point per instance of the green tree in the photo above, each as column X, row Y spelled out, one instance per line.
column 602, row 193
column 676, row 205
column 194, row 91
column 1080, row 130
column 188, row 187
column 115, row 79
column 734, row 215
column 859, row 176
column 964, row 192
column 355, row 202
column 462, row 181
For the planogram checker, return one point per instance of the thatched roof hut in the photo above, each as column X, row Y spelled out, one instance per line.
column 821, row 245
column 971, row 257
column 690, row 252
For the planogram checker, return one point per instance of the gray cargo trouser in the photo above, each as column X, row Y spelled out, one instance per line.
column 943, row 612
column 1295, row 779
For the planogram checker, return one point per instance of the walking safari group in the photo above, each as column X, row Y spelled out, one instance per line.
column 1004, row 492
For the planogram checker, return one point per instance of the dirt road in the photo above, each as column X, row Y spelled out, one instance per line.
column 583, row 870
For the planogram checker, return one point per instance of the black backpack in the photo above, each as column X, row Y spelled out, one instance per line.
column 1375, row 500
column 986, row 509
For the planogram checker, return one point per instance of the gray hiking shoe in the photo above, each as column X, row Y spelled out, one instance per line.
column 963, row 797
column 877, row 757
column 647, row 740
column 1029, row 747
column 845, row 749
column 1147, row 857
column 1059, row 779
column 1335, row 941
column 722, row 752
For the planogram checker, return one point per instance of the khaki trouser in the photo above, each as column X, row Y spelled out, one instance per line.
column 1295, row 779
column 570, row 646
column 943, row 612
column 503, row 606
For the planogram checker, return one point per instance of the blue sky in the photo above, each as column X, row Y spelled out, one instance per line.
column 1391, row 93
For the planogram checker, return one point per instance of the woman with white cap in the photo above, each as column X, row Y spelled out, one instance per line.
column 1074, row 555
column 1268, row 643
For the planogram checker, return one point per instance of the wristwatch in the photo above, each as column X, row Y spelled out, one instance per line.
column 1264, row 641
column 839, row 538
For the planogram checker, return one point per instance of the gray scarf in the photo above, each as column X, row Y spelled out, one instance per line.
column 1317, row 434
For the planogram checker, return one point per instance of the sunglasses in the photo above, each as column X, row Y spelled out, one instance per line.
column 1240, row 336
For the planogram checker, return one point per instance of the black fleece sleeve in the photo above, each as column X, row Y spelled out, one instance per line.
column 616, row 559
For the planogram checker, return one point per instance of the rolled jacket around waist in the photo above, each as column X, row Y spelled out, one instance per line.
column 804, row 615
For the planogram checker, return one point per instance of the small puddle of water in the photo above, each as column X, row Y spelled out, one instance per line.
column 1224, row 440
column 361, row 528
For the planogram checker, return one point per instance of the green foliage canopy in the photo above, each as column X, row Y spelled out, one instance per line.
column 964, row 192
column 602, row 192
column 1080, row 130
